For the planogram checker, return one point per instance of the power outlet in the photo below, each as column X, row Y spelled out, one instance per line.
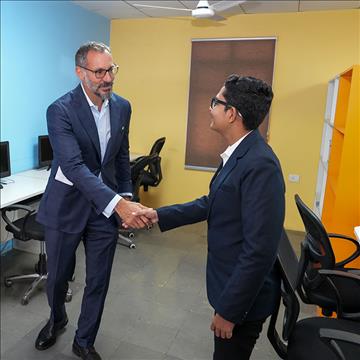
column 295, row 178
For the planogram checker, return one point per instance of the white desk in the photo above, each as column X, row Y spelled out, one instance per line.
column 28, row 184
column 25, row 185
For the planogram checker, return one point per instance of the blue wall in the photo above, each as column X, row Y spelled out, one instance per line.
column 38, row 43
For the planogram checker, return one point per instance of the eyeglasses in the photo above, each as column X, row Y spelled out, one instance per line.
column 215, row 101
column 100, row 73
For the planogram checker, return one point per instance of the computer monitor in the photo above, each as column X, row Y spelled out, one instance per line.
column 5, row 169
column 45, row 152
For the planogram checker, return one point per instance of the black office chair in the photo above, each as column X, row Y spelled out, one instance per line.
column 25, row 229
column 138, row 171
column 317, row 254
column 157, row 146
column 311, row 338
column 155, row 149
column 153, row 174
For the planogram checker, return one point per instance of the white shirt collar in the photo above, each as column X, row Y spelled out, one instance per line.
column 231, row 148
column 91, row 104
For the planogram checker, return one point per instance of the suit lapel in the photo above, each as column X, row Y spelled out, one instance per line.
column 221, row 176
column 86, row 117
column 239, row 152
column 116, row 125
column 216, row 173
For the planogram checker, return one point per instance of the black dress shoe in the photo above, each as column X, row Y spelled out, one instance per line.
column 85, row 353
column 47, row 335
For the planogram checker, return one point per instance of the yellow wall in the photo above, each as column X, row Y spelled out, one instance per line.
column 154, row 58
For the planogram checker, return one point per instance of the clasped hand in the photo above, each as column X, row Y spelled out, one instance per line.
column 135, row 215
column 222, row 327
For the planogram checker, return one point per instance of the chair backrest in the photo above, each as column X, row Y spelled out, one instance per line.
column 316, row 239
column 157, row 146
column 287, row 264
column 138, row 171
column 154, row 172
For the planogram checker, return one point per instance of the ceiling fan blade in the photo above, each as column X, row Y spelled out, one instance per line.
column 160, row 7
column 217, row 17
column 226, row 5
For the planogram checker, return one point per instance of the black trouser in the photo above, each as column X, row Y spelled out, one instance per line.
column 241, row 344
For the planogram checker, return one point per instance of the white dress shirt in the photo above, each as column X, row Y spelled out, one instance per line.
column 231, row 148
column 103, row 125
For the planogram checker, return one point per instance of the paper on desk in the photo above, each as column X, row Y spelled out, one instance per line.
column 357, row 232
column 62, row 178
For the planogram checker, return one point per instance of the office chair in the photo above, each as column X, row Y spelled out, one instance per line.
column 153, row 174
column 331, row 292
column 311, row 338
column 25, row 229
column 138, row 171
column 157, row 146
column 155, row 149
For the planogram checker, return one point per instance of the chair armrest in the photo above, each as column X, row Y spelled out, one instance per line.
column 15, row 207
column 341, row 236
column 352, row 257
column 354, row 280
column 339, row 273
column 133, row 161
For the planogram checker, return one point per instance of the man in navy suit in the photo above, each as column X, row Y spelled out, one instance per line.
column 245, row 213
column 89, row 183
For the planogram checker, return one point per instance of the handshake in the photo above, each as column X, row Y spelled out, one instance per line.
column 136, row 216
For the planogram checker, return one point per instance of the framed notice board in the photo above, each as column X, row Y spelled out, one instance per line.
column 212, row 61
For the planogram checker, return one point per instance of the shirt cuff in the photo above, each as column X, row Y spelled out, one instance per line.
column 129, row 194
column 109, row 210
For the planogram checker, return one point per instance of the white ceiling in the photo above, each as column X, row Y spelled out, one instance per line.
column 125, row 9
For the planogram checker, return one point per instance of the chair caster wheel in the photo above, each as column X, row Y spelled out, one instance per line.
column 132, row 246
column 8, row 283
column 24, row 301
column 131, row 235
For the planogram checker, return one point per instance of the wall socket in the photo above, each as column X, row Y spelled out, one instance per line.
column 294, row 178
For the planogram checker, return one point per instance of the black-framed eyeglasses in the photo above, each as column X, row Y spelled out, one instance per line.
column 100, row 73
column 215, row 101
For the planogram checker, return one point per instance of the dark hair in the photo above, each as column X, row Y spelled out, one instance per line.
column 81, row 54
column 251, row 96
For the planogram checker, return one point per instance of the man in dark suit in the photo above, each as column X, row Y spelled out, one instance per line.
column 245, row 213
column 89, row 182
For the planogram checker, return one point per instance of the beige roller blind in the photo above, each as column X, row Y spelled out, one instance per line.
column 211, row 62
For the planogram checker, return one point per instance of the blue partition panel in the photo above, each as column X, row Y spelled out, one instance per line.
column 38, row 43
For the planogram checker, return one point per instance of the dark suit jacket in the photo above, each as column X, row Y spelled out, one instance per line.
column 76, row 147
column 245, row 213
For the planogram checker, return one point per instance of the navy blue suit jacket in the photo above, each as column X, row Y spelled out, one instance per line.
column 76, row 147
column 245, row 213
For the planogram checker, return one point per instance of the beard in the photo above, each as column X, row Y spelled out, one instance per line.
column 96, row 87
